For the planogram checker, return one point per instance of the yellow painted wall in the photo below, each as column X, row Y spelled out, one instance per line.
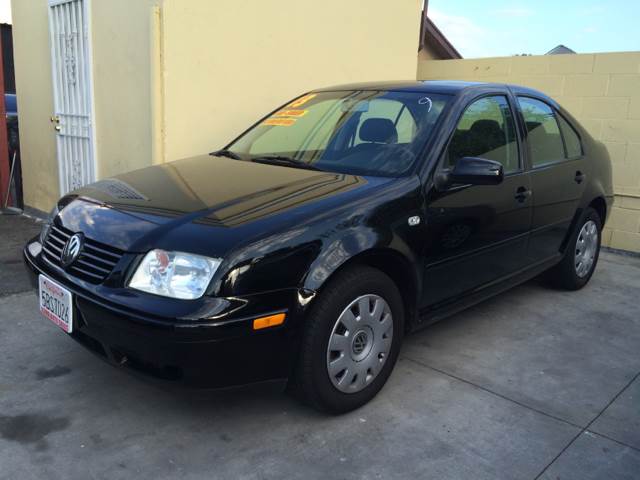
column 173, row 78
column 35, row 103
column 229, row 62
column 602, row 91
column 123, row 48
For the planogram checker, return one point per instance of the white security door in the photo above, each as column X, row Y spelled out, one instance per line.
column 72, row 92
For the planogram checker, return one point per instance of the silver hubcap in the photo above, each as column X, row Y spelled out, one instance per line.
column 359, row 343
column 586, row 248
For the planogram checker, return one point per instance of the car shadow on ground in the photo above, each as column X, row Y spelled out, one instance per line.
column 272, row 397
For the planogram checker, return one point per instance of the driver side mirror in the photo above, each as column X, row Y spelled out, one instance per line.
column 472, row 171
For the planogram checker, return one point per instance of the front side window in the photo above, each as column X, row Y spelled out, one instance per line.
column 486, row 130
column 379, row 133
column 543, row 132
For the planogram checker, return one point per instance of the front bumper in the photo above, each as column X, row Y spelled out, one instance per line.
column 209, row 343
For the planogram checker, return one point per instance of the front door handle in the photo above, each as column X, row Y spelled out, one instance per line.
column 522, row 193
column 579, row 178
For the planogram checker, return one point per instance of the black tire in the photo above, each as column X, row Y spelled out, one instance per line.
column 564, row 275
column 312, row 383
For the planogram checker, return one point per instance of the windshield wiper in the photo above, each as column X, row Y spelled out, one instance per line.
column 226, row 153
column 285, row 161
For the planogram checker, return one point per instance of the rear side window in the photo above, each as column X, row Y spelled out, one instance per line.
column 543, row 132
column 486, row 130
column 571, row 139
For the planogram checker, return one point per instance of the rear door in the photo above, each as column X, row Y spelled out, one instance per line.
column 477, row 234
column 558, row 175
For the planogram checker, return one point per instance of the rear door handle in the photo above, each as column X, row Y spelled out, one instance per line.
column 579, row 178
column 522, row 193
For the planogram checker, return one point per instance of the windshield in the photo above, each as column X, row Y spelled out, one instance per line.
column 378, row 133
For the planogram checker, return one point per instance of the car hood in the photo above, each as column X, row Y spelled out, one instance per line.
column 227, row 202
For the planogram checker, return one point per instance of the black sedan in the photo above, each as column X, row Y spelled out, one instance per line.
column 309, row 246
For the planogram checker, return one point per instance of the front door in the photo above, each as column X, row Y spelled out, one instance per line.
column 72, row 92
column 477, row 234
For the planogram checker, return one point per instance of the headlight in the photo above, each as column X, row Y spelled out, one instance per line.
column 174, row 274
column 46, row 226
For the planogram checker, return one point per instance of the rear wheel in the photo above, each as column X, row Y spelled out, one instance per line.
column 351, row 341
column 581, row 256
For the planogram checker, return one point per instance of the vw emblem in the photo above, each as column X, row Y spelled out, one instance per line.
column 359, row 342
column 72, row 249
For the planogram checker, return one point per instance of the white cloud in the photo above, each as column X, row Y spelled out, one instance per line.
column 5, row 11
column 468, row 37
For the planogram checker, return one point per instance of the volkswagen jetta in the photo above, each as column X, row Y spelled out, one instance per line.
column 309, row 246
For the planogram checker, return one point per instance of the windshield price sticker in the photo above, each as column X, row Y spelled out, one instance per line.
column 302, row 100
column 291, row 113
column 279, row 122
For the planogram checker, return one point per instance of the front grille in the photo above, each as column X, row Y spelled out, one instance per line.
column 95, row 262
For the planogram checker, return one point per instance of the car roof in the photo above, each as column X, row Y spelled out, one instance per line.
column 448, row 87
column 431, row 86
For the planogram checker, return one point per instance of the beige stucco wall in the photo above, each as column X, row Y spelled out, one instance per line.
column 35, row 99
column 123, row 51
column 602, row 91
column 174, row 78
column 228, row 62
column 123, row 40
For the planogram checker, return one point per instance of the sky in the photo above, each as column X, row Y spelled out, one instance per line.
column 491, row 28
column 5, row 11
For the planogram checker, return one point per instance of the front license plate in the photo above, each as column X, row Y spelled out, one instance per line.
column 56, row 303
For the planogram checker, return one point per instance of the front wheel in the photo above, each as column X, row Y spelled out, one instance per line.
column 581, row 256
column 351, row 341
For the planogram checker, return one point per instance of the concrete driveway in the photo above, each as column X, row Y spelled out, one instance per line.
column 535, row 383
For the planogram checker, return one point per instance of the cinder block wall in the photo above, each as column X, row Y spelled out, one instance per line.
column 601, row 90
